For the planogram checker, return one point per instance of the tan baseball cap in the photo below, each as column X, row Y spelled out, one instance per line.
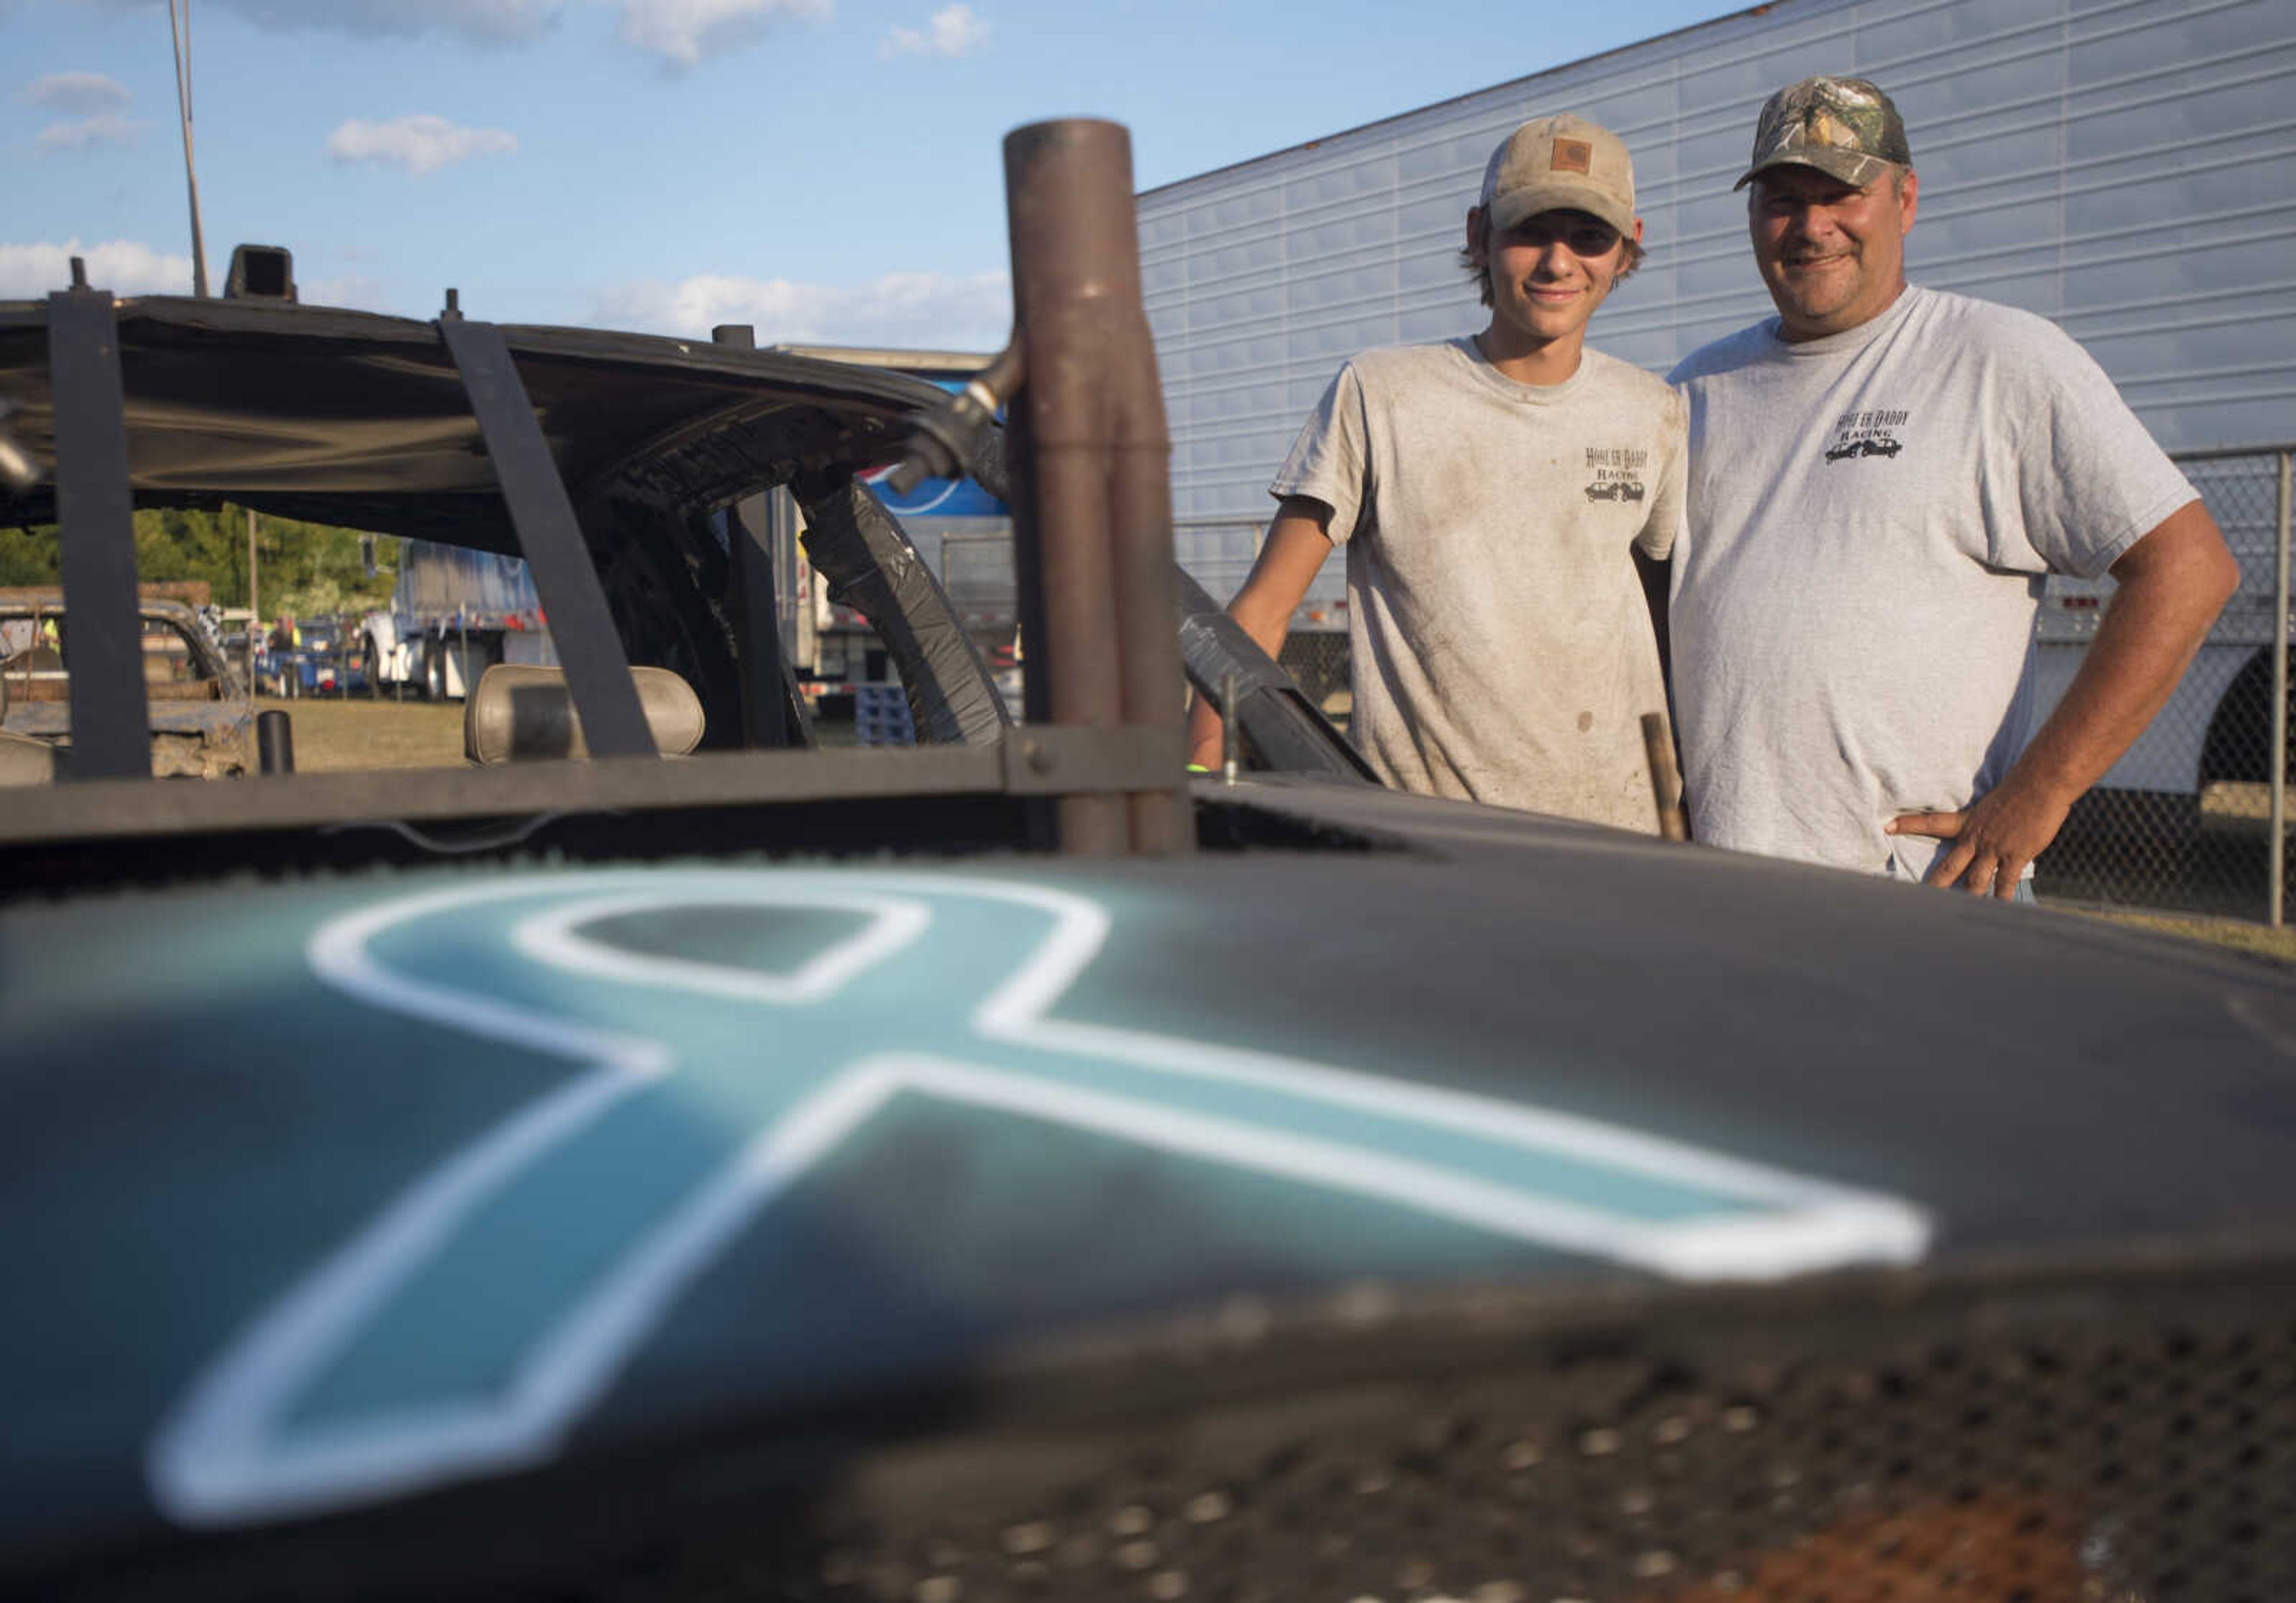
column 1561, row 163
column 1843, row 127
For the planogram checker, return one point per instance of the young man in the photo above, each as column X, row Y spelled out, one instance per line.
column 1878, row 478
column 1489, row 491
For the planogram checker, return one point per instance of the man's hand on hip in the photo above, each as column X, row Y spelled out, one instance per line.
column 1994, row 838
column 2173, row 582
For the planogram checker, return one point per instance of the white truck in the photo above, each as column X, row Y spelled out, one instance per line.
column 453, row 613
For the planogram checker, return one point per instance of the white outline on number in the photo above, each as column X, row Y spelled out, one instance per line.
column 217, row 1460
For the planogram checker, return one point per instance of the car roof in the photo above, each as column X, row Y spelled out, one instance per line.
column 358, row 418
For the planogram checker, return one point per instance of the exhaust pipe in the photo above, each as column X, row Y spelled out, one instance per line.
column 1092, row 498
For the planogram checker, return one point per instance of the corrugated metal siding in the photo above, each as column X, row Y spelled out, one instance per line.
column 2120, row 165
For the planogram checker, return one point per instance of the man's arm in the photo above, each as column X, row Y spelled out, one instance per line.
column 2174, row 581
column 1289, row 561
column 1657, row 578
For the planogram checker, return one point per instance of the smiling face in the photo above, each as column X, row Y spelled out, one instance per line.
column 1833, row 254
column 1547, row 274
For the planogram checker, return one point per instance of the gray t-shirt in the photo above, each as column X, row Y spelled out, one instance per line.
column 1856, row 587
column 1502, row 647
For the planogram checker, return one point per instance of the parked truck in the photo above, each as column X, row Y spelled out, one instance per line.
column 962, row 533
column 453, row 613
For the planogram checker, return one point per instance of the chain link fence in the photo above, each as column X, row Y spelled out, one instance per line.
column 2186, row 821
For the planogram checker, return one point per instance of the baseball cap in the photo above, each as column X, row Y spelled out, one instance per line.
column 1843, row 127
column 1561, row 163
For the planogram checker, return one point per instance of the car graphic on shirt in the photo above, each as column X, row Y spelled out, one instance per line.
column 1865, row 447
column 1615, row 489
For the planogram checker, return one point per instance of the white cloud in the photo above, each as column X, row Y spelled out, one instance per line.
column 78, row 94
column 682, row 31
column 420, row 143
column 123, row 267
column 88, row 132
column 488, row 21
column 926, row 310
column 954, row 30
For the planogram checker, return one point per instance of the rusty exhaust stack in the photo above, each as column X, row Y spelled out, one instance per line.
column 1092, row 497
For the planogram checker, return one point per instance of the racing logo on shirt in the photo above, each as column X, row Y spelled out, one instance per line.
column 1616, row 473
column 1872, row 433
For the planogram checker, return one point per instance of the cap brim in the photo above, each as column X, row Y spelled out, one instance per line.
column 1515, row 205
column 1851, row 166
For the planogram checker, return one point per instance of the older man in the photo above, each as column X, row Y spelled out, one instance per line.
column 1880, row 476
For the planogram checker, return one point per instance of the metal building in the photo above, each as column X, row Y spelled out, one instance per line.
column 2120, row 165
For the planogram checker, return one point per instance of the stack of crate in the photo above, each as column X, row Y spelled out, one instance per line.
column 880, row 715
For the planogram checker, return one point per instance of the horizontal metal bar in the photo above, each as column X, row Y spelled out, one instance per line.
column 1028, row 761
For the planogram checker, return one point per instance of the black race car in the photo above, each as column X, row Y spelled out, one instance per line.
column 783, row 1173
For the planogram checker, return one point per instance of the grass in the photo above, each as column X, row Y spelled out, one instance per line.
column 336, row 737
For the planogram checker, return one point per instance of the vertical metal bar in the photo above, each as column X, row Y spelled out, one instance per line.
column 756, row 621
column 111, row 718
column 598, row 671
column 181, row 36
column 1091, row 492
column 1140, row 496
column 2277, row 856
column 1060, row 242
column 254, row 611
column 254, row 606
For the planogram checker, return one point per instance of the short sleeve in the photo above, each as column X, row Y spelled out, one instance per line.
column 1330, row 460
column 1667, row 507
column 2091, row 481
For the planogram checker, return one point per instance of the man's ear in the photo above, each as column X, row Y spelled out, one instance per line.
column 1639, row 231
column 1478, row 238
column 1909, row 196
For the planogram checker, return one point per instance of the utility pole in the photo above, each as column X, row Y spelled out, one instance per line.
column 181, row 34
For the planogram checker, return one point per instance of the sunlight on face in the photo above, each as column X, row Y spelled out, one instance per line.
column 1833, row 255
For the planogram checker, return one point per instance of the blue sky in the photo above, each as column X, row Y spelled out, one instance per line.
column 827, row 169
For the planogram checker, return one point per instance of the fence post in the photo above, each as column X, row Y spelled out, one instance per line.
column 2277, row 856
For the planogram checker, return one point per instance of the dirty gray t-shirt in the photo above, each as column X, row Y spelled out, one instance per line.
column 1503, row 650
column 1855, row 590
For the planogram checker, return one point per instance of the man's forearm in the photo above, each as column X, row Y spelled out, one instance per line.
column 1289, row 560
column 1267, row 624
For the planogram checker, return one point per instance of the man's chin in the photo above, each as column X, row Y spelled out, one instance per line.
column 1809, row 312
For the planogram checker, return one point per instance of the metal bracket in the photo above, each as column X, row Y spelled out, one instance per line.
column 597, row 670
column 1049, row 759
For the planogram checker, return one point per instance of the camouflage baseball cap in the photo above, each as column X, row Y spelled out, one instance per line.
column 1844, row 126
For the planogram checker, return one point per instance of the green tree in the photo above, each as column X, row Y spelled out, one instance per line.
column 309, row 569
column 28, row 556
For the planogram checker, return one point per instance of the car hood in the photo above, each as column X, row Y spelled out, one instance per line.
column 369, row 1185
